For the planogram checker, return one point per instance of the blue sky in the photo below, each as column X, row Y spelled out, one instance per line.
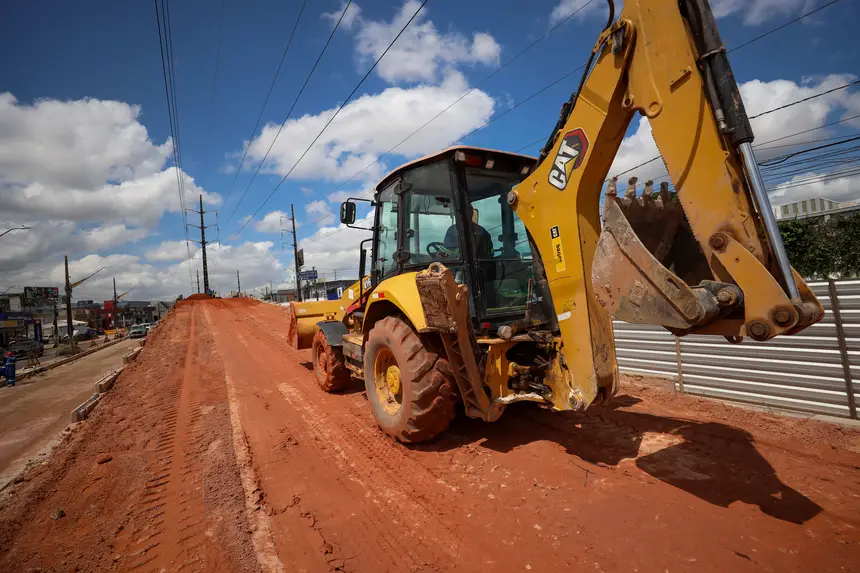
column 109, row 51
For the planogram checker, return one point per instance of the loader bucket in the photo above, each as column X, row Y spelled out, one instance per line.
column 303, row 317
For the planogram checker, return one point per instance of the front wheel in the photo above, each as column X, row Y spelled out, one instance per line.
column 329, row 367
column 410, row 388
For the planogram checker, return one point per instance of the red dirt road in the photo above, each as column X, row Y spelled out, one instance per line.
column 217, row 452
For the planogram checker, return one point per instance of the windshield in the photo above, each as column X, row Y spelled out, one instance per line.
column 431, row 233
column 502, row 248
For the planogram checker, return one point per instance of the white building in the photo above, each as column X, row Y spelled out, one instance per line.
column 805, row 208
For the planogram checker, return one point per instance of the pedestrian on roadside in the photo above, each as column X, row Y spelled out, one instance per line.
column 9, row 368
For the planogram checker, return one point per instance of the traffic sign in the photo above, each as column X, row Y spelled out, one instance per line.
column 310, row 275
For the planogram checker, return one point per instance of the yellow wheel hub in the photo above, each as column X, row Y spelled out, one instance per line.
column 386, row 381
column 392, row 378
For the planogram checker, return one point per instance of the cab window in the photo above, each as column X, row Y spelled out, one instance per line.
column 431, row 230
column 386, row 240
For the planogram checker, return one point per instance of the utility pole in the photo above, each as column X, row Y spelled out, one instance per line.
column 69, row 328
column 115, row 305
column 238, row 284
column 299, row 259
column 198, row 281
column 202, row 243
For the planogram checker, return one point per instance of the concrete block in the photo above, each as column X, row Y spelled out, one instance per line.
column 81, row 413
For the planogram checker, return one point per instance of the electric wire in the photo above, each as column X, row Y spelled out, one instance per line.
column 778, row 28
column 332, row 118
column 463, row 96
column 290, row 112
column 165, row 46
column 265, row 102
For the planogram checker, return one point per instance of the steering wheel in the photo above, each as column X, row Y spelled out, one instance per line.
column 437, row 248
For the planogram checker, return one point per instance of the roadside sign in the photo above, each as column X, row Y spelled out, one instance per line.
column 310, row 275
column 40, row 296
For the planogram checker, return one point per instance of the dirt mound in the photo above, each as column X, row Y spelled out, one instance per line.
column 199, row 296
column 131, row 488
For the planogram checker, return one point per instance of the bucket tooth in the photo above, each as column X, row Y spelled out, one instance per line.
column 630, row 193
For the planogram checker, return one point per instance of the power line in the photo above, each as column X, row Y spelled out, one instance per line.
column 809, row 130
column 265, row 102
column 217, row 60
column 167, row 69
column 806, row 99
column 289, row 113
column 347, row 100
column 464, row 95
column 778, row 28
column 782, row 158
column 807, row 142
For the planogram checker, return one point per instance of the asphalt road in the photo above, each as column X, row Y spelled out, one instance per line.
column 34, row 411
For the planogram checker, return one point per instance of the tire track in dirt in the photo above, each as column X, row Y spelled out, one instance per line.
column 345, row 480
column 170, row 510
column 549, row 488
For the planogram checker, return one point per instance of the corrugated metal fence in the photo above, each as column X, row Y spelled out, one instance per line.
column 815, row 371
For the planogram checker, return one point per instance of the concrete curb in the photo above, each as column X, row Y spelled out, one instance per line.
column 104, row 384
column 83, row 411
column 27, row 373
column 131, row 356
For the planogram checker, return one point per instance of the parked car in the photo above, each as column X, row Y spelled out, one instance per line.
column 27, row 347
column 146, row 325
column 137, row 331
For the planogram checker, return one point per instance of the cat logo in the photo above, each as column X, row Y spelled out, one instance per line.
column 570, row 156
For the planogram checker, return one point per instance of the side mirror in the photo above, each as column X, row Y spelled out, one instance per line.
column 347, row 213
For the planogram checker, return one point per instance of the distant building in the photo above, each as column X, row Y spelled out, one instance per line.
column 814, row 207
column 327, row 290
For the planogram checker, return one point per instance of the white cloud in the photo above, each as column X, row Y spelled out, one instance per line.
column 809, row 185
column 256, row 263
column 336, row 247
column 758, row 97
column 567, row 7
column 754, row 12
column 170, row 251
column 75, row 144
column 271, row 222
column 139, row 201
column 349, row 19
column 321, row 212
column 422, row 52
column 58, row 238
column 370, row 126
column 757, row 11
column 87, row 178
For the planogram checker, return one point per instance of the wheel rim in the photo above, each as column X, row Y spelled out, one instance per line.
column 387, row 381
column 319, row 361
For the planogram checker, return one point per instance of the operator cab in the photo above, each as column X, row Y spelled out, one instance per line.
column 452, row 208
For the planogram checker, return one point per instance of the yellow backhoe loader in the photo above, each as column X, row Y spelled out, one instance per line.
column 493, row 277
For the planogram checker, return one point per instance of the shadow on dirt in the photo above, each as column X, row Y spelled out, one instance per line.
column 715, row 462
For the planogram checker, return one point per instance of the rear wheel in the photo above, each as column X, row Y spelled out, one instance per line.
column 329, row 367
column 409, row 386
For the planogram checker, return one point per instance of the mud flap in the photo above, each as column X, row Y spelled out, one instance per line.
column 446, row 310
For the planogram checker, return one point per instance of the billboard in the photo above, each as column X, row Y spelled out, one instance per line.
column 40, row 296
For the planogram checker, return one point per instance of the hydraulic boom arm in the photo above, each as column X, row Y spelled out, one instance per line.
column 723, row 269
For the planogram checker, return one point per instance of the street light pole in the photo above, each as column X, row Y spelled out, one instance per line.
column 14, row 229
column 69, row 286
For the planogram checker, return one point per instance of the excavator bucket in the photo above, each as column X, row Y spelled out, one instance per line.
column 302, row 318
column 647, row 258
